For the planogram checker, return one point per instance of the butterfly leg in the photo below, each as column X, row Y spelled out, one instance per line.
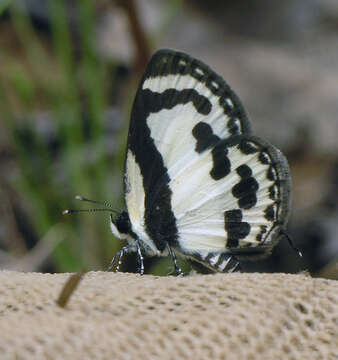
column 288, row 237
column 119, row 255
column 178, row 270
column 140, row 258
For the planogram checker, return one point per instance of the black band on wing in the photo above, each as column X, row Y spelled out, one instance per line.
column 168, row 62
column 160, row 222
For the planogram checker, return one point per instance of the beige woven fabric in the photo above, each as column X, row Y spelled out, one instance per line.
column 127, row 316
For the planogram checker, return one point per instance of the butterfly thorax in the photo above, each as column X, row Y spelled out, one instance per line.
column 122, row 228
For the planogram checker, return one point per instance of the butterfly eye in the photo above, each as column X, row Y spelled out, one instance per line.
column 122, row 223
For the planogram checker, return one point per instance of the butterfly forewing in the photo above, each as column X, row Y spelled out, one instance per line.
column 195, row 178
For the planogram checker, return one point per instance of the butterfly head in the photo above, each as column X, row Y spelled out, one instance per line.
column 120, row 226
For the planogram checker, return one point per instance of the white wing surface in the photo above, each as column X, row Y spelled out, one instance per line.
column 196, row 179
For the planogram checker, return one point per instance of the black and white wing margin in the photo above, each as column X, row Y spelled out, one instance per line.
column 195, row 177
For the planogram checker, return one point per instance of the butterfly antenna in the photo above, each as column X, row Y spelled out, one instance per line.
column 72, row 211
column 288, row 237
column 103, row 203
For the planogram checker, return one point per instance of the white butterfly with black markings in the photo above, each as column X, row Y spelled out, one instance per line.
column 197, row 183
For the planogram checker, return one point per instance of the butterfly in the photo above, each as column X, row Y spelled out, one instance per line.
column 197, row 183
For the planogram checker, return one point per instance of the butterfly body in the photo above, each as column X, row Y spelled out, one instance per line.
column 197, row 182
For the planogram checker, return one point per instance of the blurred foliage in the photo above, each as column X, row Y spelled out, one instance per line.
column 70, row 86
column 55, row 91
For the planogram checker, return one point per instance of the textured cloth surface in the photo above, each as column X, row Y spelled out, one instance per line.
column 127, row 316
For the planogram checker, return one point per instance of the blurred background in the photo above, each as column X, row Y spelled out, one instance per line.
column 68, row 75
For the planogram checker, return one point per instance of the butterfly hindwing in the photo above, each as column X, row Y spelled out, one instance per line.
column 240, row 213
column 195, row 178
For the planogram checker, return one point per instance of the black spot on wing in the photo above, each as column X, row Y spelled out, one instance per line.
column 273, row 192
column 227, row 103
column 264, row 158
column 221, row 163
column 270, row 213
column 205, row 137
column 235, row 227
column 272, row 174
column 213, row 85
column 233, row 126
column 263, row 230
column 246, row 190
column 244, row 171
column 233, row 215
column 248, row 201
column 248, row 147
